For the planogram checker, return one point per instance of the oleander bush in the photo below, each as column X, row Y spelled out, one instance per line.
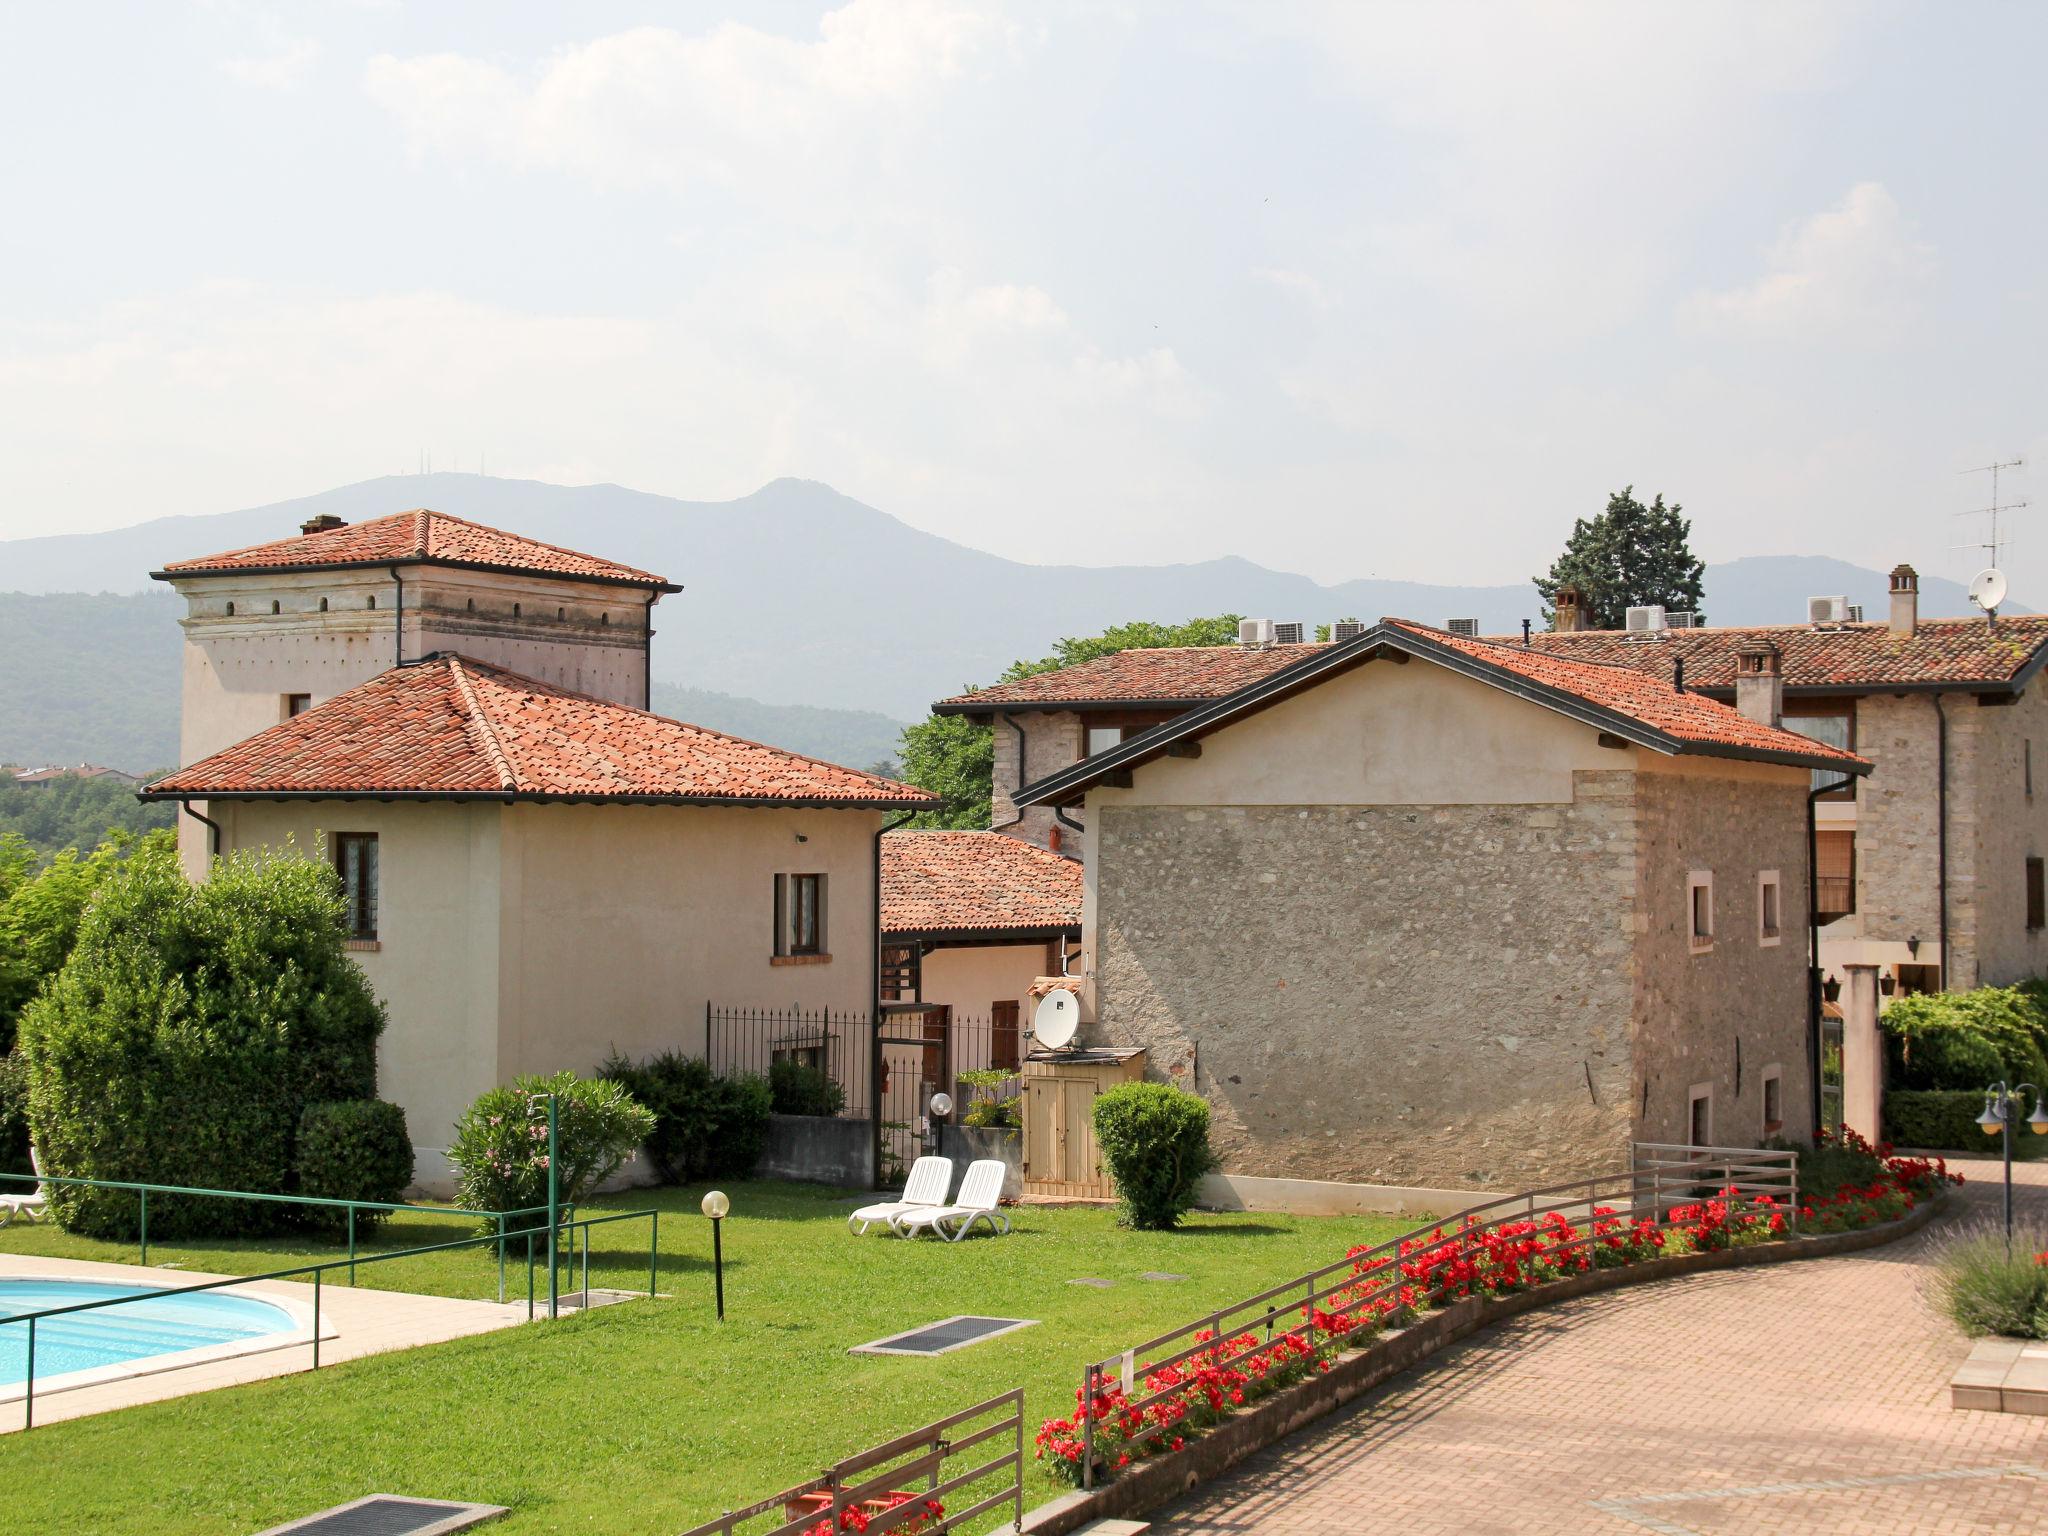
column 705, row 1126
column 185, row 1034
column 1984, row 1286
column 797, row 1089
column 355, row 1149
column 500, row 1150
column 1154, row 1141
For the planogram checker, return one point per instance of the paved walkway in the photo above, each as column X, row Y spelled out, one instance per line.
column 1809, row 1398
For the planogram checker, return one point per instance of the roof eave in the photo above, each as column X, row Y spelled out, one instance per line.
column 1022, row 933
column 1057, row 706
column 649, row 583
column 1787, row 758
column 530, row 797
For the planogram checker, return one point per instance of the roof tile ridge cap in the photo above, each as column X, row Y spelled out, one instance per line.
column 423, row 532
column 493, row 748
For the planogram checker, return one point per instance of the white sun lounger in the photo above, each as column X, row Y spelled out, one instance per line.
column 930, row 1178
column 980, row 1193
column 30, row 1207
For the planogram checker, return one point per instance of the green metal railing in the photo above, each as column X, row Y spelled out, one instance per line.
column 573, row 1227
column 144, row 1191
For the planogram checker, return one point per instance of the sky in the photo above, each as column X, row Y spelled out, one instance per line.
column 1349, row 289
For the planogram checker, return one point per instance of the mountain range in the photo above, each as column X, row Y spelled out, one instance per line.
column 807, row 618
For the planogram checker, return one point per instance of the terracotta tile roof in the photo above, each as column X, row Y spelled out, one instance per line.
column 1185, row 674
column 1688, row 717
column 419, row 537
column 943, row 882
column 452, row 726
column 1956, row 652
column 1634, row 705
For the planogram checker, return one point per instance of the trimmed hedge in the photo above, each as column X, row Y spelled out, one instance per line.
column 796, row 1089
column 705, row 1127
column 187, row 1032
column 1942, row 1119
column 1155, row 1144
column 356, row 1149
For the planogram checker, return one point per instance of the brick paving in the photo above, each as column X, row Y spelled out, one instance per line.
column 1809, row 1398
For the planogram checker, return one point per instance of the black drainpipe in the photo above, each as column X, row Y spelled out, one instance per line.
column 398, row 621
column 212, row 828
column 1059, row 814
column 875, row 1033
column 1011, row 722
column 1941, row 826
column 647, row 655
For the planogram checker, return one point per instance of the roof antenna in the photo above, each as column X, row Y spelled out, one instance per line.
column 1678, row 674
column 1992, row 544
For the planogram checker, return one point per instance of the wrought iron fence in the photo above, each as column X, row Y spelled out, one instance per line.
column 1362, row 1283
column 835, row 1042
column 950, row 1476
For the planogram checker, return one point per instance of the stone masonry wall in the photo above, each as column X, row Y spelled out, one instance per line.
column 1406, row 995
column 1721, row 1017
column 1994, row 827
column 1897, row 828
column 1053, row 741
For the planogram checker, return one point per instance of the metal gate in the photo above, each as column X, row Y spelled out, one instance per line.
column 914, row 1060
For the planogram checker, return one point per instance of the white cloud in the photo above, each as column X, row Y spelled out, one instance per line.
column 280, row 70
column 656, row 106
column 1297, row 285
column 1854, row 270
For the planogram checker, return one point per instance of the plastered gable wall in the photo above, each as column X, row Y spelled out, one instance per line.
column 437, row 966
column 1997, row 826
column 1386, row 928
column 1734, row 821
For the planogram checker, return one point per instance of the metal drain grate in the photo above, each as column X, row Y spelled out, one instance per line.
column 946, row 1334
column 386, row 1514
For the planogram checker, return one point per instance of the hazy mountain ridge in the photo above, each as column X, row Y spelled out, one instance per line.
column 800, row 596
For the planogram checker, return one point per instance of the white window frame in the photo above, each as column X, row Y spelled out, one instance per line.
column 1766, row 937
column 1697, row 880
column 1697, row 1093
column 1772, row 1075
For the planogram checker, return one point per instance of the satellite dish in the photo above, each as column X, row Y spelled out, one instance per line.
column 1987, row 589
column 1057, row 1017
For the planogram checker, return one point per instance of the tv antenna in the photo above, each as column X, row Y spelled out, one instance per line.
column 1992, row 544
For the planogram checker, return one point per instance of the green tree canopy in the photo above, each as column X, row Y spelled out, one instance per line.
column 954, row 758
column 71, row 812
column 40, row 912
column 187, row 1032
column 1627, row 557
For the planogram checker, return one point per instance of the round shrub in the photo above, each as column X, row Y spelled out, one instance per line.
column 1155, row 1143
column 705, row 1127
column 356, row 1149
column 796, row 1089
column 186, row 1033
column 501, row 1142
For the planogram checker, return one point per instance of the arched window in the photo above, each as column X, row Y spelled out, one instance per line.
column 604, row 618
column 323, row 604
column 274, row 607
column 472, row 605
column 515, row 610
column 373, row 599
column 561, row 613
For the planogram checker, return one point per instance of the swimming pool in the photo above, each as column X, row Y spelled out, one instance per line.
column 155, row 1333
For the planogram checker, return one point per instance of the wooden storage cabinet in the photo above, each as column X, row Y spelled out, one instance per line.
column 1060, row 1089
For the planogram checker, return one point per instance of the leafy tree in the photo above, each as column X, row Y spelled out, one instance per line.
column 71, row 812
column 187, row 1032
column 954, row 758
column 39, row 915
column 1627, row 557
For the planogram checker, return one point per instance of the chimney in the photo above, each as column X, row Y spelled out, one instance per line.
column 321, row 524
column 1760, row 683
column 1905, row 600
column 1570, row 607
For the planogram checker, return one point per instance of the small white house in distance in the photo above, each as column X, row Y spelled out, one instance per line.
column 1421, row 910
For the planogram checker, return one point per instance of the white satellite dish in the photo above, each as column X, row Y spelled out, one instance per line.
column 1057, row 1017
column 1987, row 589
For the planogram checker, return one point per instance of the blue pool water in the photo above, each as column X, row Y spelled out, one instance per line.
column 162, row 1325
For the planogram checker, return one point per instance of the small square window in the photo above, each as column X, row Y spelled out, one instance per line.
column 1699, row 901
column 1768, row 911
column 297, row 704
column 1102, row 737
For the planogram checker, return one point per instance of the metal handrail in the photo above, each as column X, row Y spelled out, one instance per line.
column 920, row 1454
column 1650, row 1183
column 317, row 1271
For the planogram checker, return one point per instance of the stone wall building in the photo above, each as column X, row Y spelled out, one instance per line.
column 1420, row 909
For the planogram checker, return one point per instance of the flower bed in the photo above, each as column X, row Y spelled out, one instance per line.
column 1437, row 1269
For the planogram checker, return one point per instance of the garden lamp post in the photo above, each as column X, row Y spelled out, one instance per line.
column 940, row 1107
column 715, row 1206
column 2001, row 1106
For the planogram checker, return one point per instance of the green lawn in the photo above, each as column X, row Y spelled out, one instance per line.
column 646, row 1417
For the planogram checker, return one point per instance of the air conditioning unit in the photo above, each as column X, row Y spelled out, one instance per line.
column 1827, row 610
column 1254, row 631
column 1463, row 626
column 1288, row 634
column 1348, row 629
column 1855, row 613
column 1685, row 620
column 1648, row 619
